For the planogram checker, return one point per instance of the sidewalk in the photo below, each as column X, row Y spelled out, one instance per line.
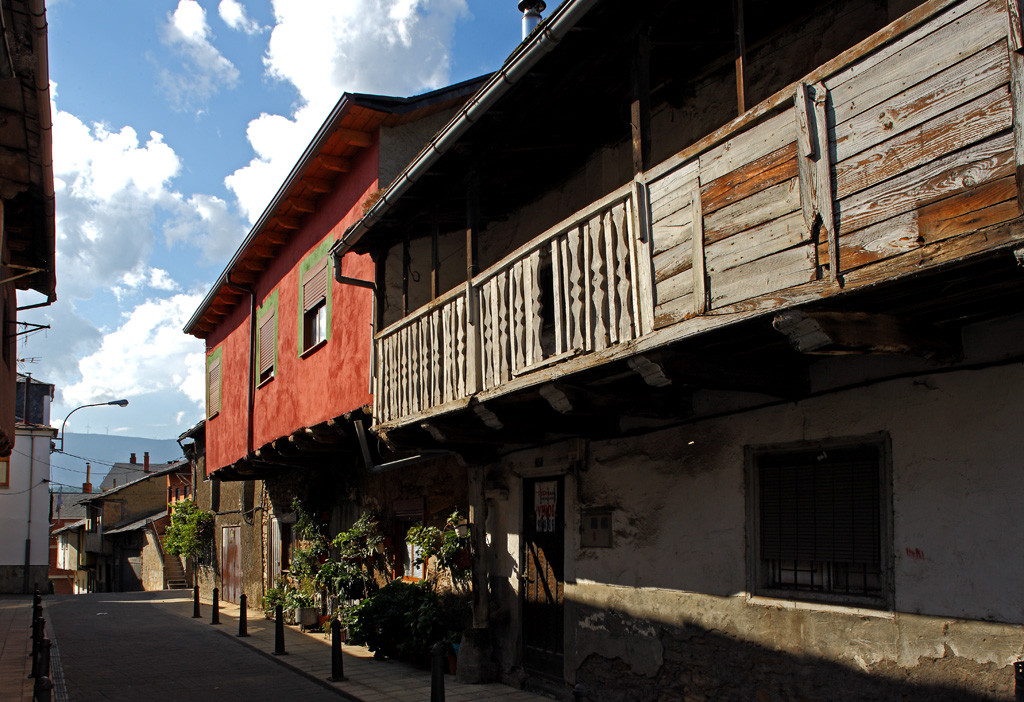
column 368, row 679
column 15, row 647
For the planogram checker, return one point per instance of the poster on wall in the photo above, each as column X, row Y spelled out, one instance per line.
column 545, row 497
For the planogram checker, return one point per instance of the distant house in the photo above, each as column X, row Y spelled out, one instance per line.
column 67, row 514
column 122, row 530
column 24, row 493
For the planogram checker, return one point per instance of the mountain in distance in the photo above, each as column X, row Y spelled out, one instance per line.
column 101, row 450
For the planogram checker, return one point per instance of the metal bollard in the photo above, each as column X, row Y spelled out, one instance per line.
column 37, row 640
column 43, row 669
column 242, row 616
column 43, row 691
column 579, row 693
column 279, row 631
column 337, row 665
column 215, row 619
column 1018, row 681
column 437, row 654
column 195, row 603
column 37, row 612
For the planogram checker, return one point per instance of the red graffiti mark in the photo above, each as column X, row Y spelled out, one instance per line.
column 916, row 554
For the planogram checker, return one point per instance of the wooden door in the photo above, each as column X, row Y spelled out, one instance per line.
column 543, row 575
column 231, row 564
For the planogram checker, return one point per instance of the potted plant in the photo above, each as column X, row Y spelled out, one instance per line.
column 446, row 547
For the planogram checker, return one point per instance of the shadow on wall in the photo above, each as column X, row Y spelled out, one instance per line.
column 704, row 664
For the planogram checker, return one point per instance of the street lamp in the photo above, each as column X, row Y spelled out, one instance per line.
column 53, row 447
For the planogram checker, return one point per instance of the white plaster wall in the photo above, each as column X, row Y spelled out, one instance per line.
column 14, row 501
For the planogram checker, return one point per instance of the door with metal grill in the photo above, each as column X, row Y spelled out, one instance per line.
column 543, row 579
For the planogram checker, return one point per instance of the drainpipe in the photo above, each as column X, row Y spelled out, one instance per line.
column 252, row 359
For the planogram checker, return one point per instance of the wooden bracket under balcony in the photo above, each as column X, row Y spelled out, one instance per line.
column 839, row 333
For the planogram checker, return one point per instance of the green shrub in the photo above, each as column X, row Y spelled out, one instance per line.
column 190, row 530
column 403, row 620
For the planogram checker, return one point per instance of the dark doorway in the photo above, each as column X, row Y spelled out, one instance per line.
column 543, row 575
column 231, row 564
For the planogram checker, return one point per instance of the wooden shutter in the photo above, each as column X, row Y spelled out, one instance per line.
column 821, row 505
column 314, row 289
column 213, row 388
column 268, row 341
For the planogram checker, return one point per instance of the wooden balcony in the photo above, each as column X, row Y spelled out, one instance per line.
column 898, row 157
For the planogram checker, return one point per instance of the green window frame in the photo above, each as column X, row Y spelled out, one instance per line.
column 214, row 373
column 266, row 326
column 317, row 263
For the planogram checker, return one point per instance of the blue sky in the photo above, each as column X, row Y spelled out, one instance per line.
column 175, row 121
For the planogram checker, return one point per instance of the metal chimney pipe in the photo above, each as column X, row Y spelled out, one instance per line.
column 531, row 10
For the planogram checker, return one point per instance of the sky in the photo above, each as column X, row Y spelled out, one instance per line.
column 175, row 122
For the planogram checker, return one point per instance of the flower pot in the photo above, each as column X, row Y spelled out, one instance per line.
column 306, row 617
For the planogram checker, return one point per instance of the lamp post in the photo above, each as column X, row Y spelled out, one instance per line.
column 119, row 403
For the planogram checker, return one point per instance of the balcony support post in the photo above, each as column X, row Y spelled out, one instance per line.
column 473, row 369
column 1015, row 41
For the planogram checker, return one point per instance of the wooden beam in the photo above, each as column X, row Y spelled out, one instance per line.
column 555, row 397
column 318, row 185
column 288, row 222
column 335, row 163
column 488, row 417
column 741, row 52
column 652, row 373
column 354, row 137
column 841, row 333
column 302, row 205
column 640, row 108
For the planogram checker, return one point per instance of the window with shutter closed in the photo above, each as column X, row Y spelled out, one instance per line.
column 213, row 387
column 821, row 521
column 314, row 288
column 267, row 344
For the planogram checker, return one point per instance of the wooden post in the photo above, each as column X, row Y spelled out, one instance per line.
column 405, row 274
column 741, row 51
column 640, row 108
column 435, row 259
column 473, row 370
column 1015, row 41
column 478, row 541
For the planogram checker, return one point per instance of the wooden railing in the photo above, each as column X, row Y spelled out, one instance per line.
column 902, row 143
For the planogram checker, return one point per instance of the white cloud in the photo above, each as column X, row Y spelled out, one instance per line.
column 325, row 48
column 108, row 187
column 205, row 221
column 234, row 15
column 143, row 355
column 205, row 71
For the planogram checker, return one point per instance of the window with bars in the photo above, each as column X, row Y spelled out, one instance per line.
column 266, row 338
column 213, row 383
column 314, row 300
column 821, row 522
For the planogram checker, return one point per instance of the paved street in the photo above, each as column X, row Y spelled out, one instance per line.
column 146, row 645
column 126, row 646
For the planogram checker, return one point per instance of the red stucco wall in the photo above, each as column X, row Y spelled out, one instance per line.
column 331, row 380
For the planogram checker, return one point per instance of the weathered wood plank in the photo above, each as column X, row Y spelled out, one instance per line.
column 608, row 254
column 765, row 275
column 951, row 43
column 970, row 210
column 518, row 301
column 598, row 285
column 673, row 201
column 673, row 230
column 760, row 174
column 672, row 181
column 771, row 135
column 807, row 152
column 961, row 83
column 968, row 168
column 1015, row 44
column 699, row 269
column 536, row 319
column 674, row 310
column 641, row 246
column 636, row 274
column 675, row 286
column 674, row 261
column 824, row 199
column 577, row 296
column 772, row 203
column 461, row 365
column 556, row 294
column 758, row 242
column 449, row 353
column 624, row 267
column 950, row 132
